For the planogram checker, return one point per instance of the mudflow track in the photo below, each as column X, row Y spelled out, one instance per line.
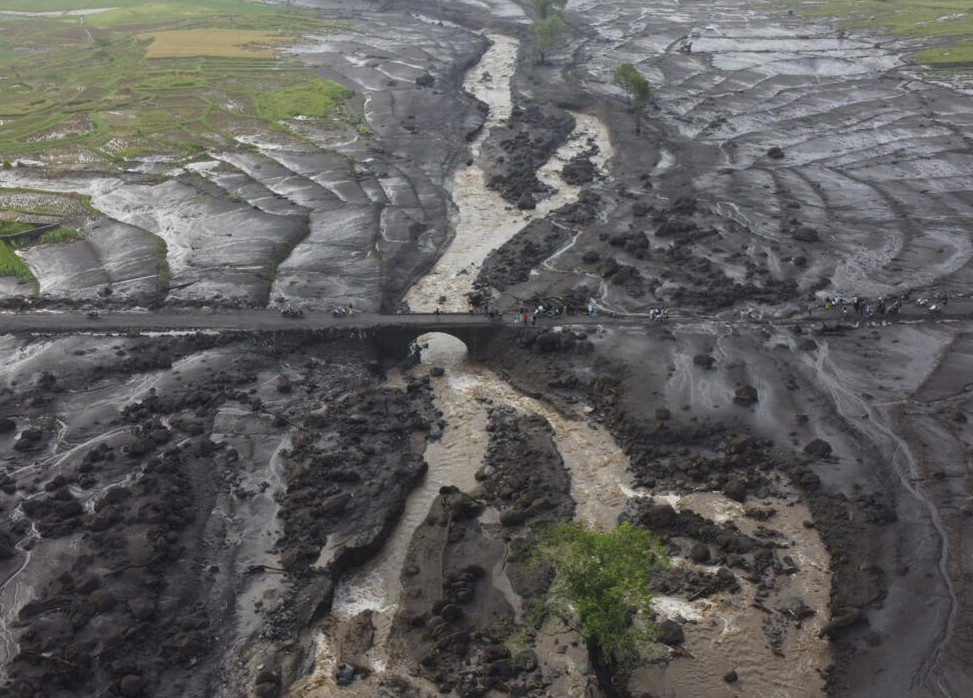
column 177, row 511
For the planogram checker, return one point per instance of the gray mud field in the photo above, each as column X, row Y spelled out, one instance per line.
column 202, row 498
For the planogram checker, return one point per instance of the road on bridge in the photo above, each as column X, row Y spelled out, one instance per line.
column 257, row 320
column 249, row 320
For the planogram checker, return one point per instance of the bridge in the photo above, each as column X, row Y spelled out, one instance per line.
column 392, row 334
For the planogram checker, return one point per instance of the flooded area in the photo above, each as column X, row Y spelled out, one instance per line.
column 730, row 633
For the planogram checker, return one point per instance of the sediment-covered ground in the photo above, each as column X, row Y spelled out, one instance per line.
column 181, row 513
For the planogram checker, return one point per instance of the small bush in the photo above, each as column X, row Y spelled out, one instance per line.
column 60, row 234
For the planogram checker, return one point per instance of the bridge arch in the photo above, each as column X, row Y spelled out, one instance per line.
column 396, row 341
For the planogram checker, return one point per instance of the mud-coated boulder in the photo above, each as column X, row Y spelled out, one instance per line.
column 735, row 489
column 699, row 553
column 809, row 481
column 272, row 690
column 818, row 448
column 745, row 395
column 297, row 558
column 525, row 660
column 656, row 516
column 580, row 170
column 267, row 676
column 131, row 686
column 141, row 608
column 806, row 234
column 526, row 202
column 335, row 504
column 29, row 439
column 101, row 600
column 451, row 613
column 672, row 633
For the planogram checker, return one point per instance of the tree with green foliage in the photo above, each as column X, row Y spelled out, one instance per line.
column 547, row 32
column 548, row 8
column 548, row 26
column 601, row 587
column 637, row 87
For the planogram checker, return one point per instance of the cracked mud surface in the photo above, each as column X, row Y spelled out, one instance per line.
column 178, row 511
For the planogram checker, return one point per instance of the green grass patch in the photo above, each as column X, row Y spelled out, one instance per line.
column 162, row 260
column 12, row 265
column 315, row 97
column 60, row 234
column 947, row 24
column 14, row 227
column 958, row 55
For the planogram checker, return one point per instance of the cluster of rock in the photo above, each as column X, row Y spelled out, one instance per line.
column 514, row 152
column 142, row 602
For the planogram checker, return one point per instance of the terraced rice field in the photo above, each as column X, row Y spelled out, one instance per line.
column 90, row 89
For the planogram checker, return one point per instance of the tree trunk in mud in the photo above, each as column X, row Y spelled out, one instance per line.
column 607, row 672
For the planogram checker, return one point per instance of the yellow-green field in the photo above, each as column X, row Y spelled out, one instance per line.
column 150, row 77
column 228, row 43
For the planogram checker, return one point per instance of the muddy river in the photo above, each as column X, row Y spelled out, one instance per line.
column 159, row 493
column 725, row 630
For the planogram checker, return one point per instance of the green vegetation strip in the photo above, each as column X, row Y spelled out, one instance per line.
column 85, row 84
column 947, row 25
column 12, row 265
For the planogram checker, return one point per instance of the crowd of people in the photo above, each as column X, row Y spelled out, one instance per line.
column 870, row 307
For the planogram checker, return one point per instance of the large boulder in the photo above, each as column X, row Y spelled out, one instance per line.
column 672, row 633
column 745, row 395
column 818, row 448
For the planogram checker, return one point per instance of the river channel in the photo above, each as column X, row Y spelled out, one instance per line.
column 726, row 632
